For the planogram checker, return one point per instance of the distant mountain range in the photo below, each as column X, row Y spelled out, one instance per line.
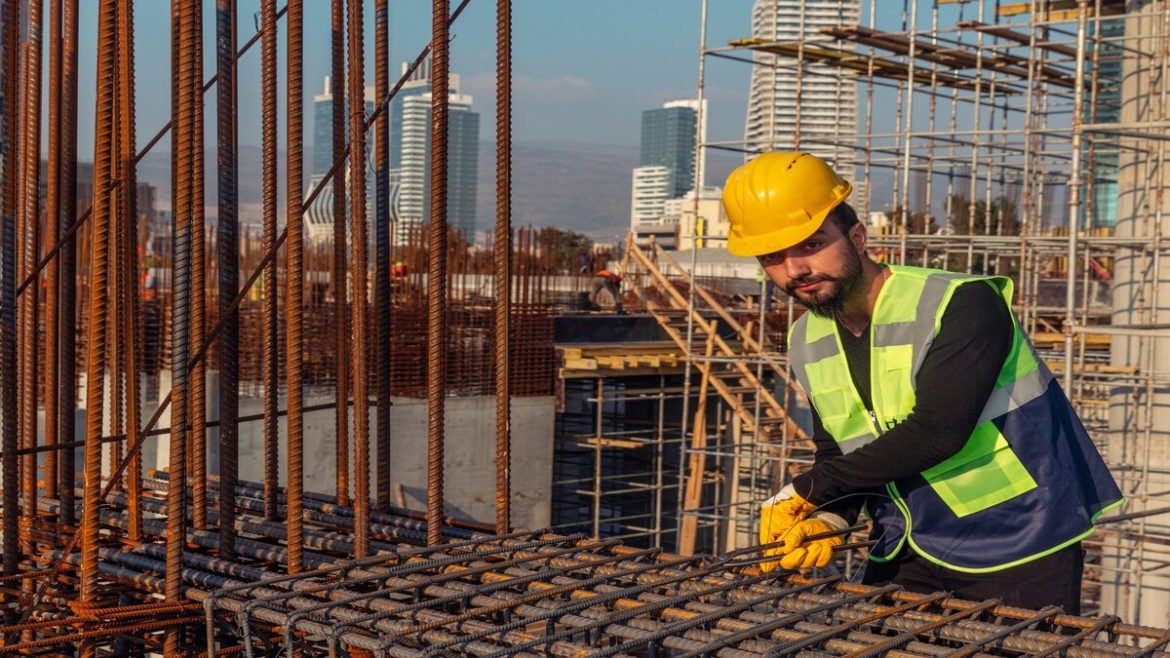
column 575, row 186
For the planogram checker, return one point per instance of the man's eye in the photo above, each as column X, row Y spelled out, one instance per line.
column 811, row 245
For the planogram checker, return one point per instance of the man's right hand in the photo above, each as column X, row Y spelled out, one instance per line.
column 777, row 516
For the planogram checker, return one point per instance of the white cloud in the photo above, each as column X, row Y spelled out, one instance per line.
column 558, row 88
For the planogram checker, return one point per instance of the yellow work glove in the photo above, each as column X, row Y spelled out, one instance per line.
column 800, row 553
column 779, row 514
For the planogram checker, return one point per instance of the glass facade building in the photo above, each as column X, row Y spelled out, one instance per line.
column 410, row 156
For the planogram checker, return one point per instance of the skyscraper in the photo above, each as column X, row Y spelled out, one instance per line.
column 668, row 158
column 668, row 140
column 827, row 117
column 410, row 155
column 319, row 216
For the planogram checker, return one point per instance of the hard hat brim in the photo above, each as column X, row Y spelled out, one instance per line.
column 783, row 238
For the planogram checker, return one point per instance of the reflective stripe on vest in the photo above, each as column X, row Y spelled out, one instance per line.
column 987, row 472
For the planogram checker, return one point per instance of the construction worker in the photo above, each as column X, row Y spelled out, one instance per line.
column 930, row 407
column 603, row 279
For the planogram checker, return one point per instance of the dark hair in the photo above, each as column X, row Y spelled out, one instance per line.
column 844, row 216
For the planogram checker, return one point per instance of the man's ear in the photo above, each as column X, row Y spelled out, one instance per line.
column 859, row 237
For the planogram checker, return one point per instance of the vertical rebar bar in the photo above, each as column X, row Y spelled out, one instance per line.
column 357, row 195
column 340, row 315
column 270, row 358
column 198, row 380
column 53, row 229
column 503, row 264
column 382, row 308
column 227, row 243
column 128, row 267
column 183, row 75
column 67, row 319
column 8, row 293
column 30, row 236
column 437, row 274
column 96, row 329
column 295, row 284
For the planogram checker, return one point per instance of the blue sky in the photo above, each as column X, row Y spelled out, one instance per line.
column 583, row 70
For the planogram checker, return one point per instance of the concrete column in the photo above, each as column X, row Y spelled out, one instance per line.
column 1139, row 415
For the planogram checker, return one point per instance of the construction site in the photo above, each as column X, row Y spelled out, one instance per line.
column 386, row 441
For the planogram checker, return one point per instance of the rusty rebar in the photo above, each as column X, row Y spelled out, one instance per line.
column 382, row 305
column 8, row 200
column 294, row 222
column 269, row 349
column 503, row 264
column 227, row 242
column 197, row 434
column 30, row 236
column 184, row 76
column 53, row 231
column 98, row 273
column 128, row 268
column 67, row 312
column 357, row 195
column 68, row 234
column 340, row 318
column 437, row 273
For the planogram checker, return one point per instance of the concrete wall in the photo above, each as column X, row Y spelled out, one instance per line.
column 469, row 458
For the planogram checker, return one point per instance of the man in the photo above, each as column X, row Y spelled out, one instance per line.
column 606, row 280
column 930, row 408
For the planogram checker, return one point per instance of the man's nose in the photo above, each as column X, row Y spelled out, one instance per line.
column 796, row 268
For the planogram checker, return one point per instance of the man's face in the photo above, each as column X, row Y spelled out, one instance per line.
column 821, row 271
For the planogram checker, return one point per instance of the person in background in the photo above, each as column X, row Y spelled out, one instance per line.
column 603, row 279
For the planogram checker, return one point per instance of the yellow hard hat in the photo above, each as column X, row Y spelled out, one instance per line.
column 778, row 199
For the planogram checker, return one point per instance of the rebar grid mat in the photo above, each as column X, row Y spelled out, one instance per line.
column 547, row 595
column 529, row 593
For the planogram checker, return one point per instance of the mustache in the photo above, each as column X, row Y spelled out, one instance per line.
column 793, row 284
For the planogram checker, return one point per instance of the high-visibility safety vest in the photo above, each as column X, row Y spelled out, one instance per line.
column 1027, row 483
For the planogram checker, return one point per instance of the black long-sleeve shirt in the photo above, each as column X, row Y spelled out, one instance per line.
column 957, row 376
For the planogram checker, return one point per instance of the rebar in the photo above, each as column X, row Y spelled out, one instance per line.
column 294, row 281
column 197, row 415
column 227, row 243
column 503, row 265
column 53, row 227
column 67, row 320
column 340, row 277
column 437, row 274
column 129, row 322
column 8, row 199
column 358, row 275
column 180, row 308
column 96, row 333
column 30, row 241
column 382, row 300
column 270, row 359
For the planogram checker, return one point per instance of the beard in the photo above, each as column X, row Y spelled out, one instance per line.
column 829, row 301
